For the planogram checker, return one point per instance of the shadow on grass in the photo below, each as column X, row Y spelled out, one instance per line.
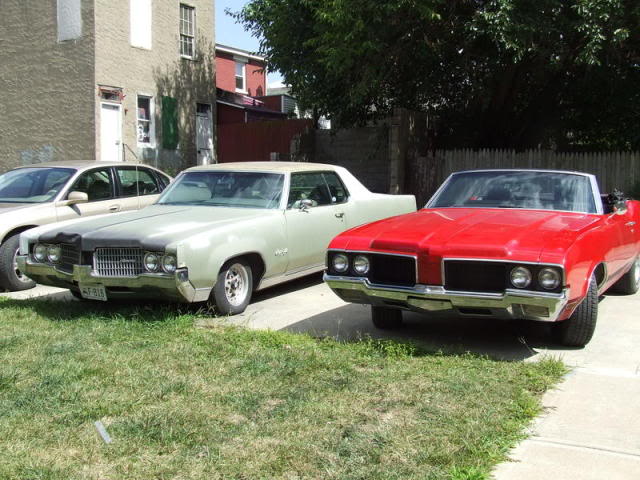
column 55, row 309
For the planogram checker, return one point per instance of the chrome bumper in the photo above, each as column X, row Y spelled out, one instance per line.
column 435, row 300
column 175, row 287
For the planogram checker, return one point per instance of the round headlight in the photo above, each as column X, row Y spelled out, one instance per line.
column 53, row 253
column 361, row 265
column 40, row 253
column 169, row 263
column 340, row 263
column 151, row 262
column 549, row 278
column 520, row 277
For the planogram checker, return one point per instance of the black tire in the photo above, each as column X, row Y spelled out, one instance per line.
column 11, row 278
column 578, row 329
column 386, row 318
column 233, row 290
column 629, row 283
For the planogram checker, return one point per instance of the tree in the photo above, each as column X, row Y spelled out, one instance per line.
column 494, row 73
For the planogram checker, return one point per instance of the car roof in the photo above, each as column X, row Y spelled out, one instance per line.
column 279, row 167
column 81, row 164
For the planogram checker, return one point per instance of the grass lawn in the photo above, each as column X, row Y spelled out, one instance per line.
column 225, row 403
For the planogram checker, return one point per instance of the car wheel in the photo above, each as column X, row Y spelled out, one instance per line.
column 386, row 318
column 11, row 278
column 578, row 329
column 629, row 283
column 234, row 287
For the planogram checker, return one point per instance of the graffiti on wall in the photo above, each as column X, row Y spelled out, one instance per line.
column 38, row 155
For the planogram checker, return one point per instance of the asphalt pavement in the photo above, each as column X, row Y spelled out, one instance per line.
column 591, row 425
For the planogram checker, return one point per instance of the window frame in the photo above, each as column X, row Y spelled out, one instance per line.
column 85, row 172
column 152, row 123
column 243, row 76
column 192, row 35
column 147, row 43
column 148, row 171
column 326, row 185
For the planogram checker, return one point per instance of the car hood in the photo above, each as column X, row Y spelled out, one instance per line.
column 152, row 228
column 465, row 232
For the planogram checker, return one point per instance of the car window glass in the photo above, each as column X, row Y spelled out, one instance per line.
column 517, row 189
column 96, row 184
column 308, row 186
column 225, row 189
column 33, row 185
column 336, row 188
column 136, row 181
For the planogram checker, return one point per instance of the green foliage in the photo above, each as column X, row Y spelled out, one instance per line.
column 495, row 73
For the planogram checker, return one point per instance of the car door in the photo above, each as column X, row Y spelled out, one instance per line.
column 316, row 212
column 619, row 229
column 137, row 186
column 99, row 185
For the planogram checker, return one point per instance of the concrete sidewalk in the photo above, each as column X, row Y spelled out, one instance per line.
column 591, row 428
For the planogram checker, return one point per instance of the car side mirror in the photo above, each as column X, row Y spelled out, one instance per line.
column 620, row 208
column 306, row 204
column 77, row 197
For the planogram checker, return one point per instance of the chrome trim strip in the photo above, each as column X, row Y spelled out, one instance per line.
column 435, row 299
column 285, row 277
column 176, row 286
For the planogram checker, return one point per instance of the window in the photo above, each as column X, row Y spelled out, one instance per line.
column 69, row 16
column 308, row 186
column 338, row 192
column 97, row 184
column 136, row 182
column 33, row 185
column 145, row 124
column 140, row 23
column 241, row 70
column 169, row 123
column 187, row 30
column 226, row 189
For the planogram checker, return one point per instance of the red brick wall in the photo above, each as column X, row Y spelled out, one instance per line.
column 226, row 75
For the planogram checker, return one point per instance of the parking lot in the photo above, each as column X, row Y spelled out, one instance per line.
column 590, row 429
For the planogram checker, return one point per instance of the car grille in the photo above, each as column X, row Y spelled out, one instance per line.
column 69, row 256
column 393, row 270
column 472, row 276
column 118, row 262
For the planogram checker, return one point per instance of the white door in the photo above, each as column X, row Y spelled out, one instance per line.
column 110, row 132
column 204, row 134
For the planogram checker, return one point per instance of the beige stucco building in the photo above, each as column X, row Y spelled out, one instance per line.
column 108, row 80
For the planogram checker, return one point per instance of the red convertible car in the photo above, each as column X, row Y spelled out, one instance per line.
column 514, row 244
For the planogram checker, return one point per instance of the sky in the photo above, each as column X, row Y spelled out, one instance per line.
column 233, row 35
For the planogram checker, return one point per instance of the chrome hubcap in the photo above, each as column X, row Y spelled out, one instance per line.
column 19, row 275
column 236, row 284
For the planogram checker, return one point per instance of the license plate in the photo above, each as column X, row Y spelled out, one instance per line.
column 93, row 292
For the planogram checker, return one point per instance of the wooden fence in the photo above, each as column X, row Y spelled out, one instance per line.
column 619, row 170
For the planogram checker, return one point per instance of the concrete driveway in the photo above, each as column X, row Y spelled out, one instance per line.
column 591, row 428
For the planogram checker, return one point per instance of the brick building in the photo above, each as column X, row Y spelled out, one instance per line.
column 108, row 80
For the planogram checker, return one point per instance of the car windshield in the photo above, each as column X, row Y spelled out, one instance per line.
column 226, row 189
column 33, row 185
column 517, row 189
